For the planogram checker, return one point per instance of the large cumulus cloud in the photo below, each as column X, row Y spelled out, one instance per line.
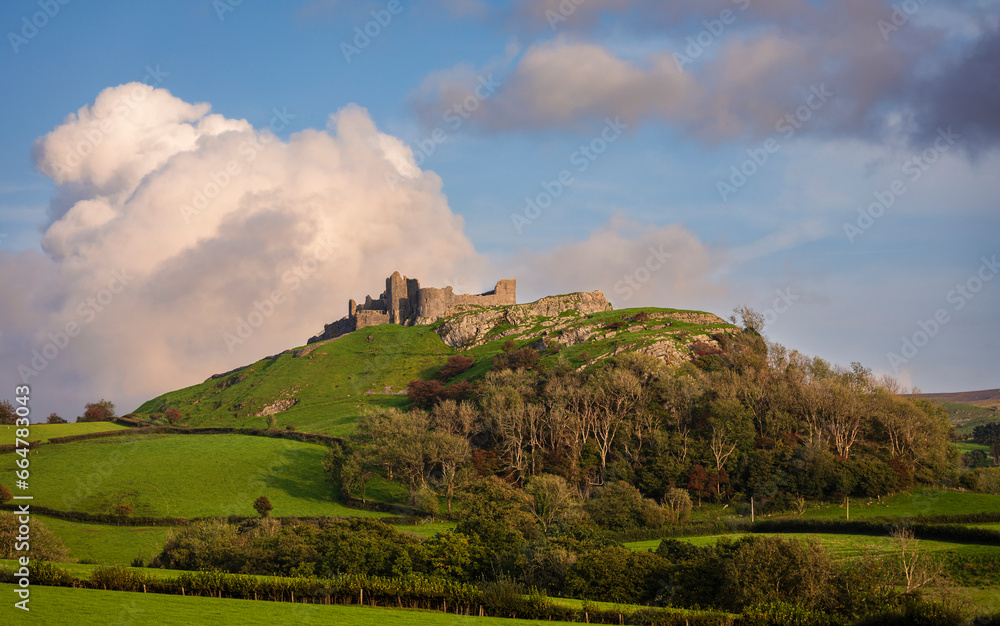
column 172, row 226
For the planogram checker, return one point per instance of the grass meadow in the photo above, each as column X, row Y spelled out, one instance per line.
column 185, row 476
column 44, row 432
column 57, row 606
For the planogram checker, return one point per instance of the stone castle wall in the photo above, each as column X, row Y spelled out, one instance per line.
column 405, row 302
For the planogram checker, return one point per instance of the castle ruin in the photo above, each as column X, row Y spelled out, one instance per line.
column 406, row 303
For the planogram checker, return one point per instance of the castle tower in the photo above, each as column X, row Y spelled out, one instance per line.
column 397, row 299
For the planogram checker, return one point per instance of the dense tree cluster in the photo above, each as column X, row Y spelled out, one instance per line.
column 748, row 420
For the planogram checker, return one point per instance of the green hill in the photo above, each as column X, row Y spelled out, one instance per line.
column 184, row 476
column 324, row 387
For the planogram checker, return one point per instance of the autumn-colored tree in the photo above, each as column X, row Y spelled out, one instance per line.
column 54, row 419
column 101, row 411
column 7, row 413
column 173, row 415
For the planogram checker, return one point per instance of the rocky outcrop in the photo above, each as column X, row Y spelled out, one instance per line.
column 278, row 406
column 475, row 328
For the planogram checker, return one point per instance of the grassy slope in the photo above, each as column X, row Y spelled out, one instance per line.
column 337, row 380
column 54, row 606
column 184, row 476
column 44, row 432
column 102, row 543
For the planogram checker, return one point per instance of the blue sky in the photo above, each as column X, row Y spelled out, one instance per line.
column 561, row 75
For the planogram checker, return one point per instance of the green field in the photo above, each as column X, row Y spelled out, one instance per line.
column 54, row 606
column 106, row 544
column 44, row 432
column 922, row 501
column 184, row 476
column 842, row 545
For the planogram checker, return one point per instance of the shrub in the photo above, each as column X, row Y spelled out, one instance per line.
column 263, row 506
column 456, row 365
column 54, row 419
column 784, row 614
column 5, row 494
column 772, row 569
column 615, row 574
column 117, row 577
column 45, row 573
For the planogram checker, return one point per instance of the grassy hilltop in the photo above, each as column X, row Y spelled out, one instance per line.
column 331, row 383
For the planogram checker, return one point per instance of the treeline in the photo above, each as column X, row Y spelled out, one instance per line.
column 490, row 561
column 746, row 419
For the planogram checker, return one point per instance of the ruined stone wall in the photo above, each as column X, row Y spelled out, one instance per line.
column 404, row 302
column 434, row 303
column 370, row 318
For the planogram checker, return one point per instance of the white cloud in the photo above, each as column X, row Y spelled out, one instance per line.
column 205, row 218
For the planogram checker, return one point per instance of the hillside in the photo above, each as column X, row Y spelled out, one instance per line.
column 967, row 409
column 183, row 476
column 324, row 387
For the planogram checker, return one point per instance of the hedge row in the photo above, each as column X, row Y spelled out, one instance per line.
column 938, row 532
column 500, row 599
column 142, row 429
column 719, row 527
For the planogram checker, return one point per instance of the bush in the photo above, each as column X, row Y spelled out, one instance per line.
column 117, row 577
column 620, row 506
column 45, row 573
column 263, row 506
column 5, row 494
column 615, row 574
column 456, row 365
column 784, row 614
column 772, row 569
column 916, row 612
